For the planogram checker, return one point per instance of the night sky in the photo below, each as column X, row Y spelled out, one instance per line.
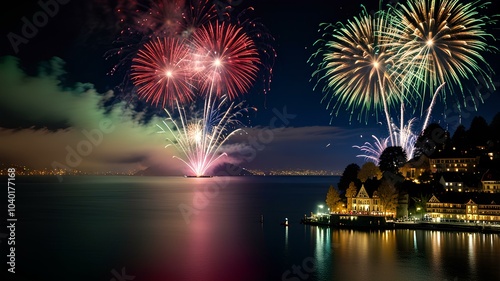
column 56, row 90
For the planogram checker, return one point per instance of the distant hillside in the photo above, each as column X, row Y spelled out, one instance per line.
column 222, row 170
column 230, row 170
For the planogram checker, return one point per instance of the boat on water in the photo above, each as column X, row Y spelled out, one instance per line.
column 348, row 221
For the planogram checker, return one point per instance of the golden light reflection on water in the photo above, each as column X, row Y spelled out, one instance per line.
column 323, row 250
column 400, row 254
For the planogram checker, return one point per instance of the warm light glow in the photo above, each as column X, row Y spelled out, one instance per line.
column 168, row 73
column 198, row 136
column 199, row 140
column 217, row 62
column 430, row 42
column 375, row 64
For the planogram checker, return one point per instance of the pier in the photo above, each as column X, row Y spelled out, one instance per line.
column 356, row 221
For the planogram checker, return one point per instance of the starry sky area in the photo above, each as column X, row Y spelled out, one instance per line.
column 57, row 90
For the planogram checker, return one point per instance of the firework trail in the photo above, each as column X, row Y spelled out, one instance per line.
column 441, row 41
column 199, row 140
column 186, row 57
column 225, row 63
column 373, row 151
column 406, row 138
column 421, row 45
column 355, row 66
column 438, row 43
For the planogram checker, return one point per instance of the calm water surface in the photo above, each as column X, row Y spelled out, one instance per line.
column 175, row 228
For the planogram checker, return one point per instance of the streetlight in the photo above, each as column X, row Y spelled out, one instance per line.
column 321, row 207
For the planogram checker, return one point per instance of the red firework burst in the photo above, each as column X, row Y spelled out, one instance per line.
column 161, row 73
column 229, row 59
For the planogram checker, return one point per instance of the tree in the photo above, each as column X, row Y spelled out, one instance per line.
column 352, row 191
column 430, row 140
column 349, row 175
column 333, row 200
column 421, row 204
column 388, row 196
column 478, row 133
column 391, row 159
column 459, row 138
column 368, row 171
column 495, row 128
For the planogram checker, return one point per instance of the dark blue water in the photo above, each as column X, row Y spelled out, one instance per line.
column 174, row 228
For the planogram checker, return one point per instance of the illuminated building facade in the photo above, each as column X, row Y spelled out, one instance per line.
column 490, row 181
column 454, row 164
column 478, row 208
column 364, row 203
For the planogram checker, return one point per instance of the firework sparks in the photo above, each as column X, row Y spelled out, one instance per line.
column 356, row 67
column 422, row 46
column 188, row 58
column 196, row 15
column 404, row 135
column 442, row 41
column 161, row 73
column 200, row 140
column 373, row 151
column 229, row 57
column 263, row 40
column 406, row 138
column 144, row 21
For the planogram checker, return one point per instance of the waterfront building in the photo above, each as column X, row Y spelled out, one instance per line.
column 464, row 207
column 364, row 203
column 490, row 181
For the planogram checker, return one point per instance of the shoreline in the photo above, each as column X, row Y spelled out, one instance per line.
column 458, row 227
column 452, row 227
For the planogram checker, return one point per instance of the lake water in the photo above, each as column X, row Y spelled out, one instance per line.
column 175, row 228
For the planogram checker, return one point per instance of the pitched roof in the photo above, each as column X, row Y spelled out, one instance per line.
column 491, row 175
column 464, row 197
column 362, row 193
